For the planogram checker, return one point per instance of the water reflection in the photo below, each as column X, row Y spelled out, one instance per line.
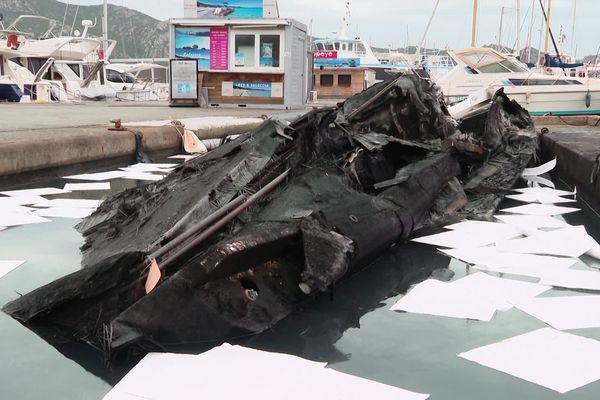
column 313, row 332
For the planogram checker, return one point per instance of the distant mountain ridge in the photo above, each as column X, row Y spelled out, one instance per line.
column 138, row 35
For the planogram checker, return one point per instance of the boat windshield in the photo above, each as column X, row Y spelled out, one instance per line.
column 119, row 77
column 318, row 46
column 360, row 48
column 488, row 61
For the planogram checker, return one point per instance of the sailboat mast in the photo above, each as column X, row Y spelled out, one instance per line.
column 105, row 25
column 420, row 45
column 530, row 33
column 573, row 29
column 500, row 29
column 474, row 28
column 548, row 14
column 519, row 28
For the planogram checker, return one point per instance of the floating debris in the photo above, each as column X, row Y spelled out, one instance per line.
column 249, row 232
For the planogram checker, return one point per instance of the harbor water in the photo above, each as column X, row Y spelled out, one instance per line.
column 352, row 327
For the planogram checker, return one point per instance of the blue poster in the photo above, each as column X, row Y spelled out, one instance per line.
column 266, row 55
column 193, row 43
column 229, row 9
column 337, row 62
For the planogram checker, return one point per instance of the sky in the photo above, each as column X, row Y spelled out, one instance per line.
column 385, row 23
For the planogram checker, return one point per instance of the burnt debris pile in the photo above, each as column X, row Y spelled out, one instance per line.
column 253, row 230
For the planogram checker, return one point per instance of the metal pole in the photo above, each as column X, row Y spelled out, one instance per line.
column 105, row 26
column 500, row 29
column 546, row 43
column 519, row 28
column 437, row 3
column 474, row 28
column 530, row 34
column 540, row 61
column 573, row 29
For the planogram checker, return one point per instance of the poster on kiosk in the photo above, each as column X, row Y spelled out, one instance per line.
column 231, row 9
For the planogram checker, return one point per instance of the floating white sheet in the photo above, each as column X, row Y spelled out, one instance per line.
column 542, row 169
column 157, row 165
column 98, row 176
column 11, row 218
column 433, row 297
column 8, row 209
column 540, row 209
column 502, row 292
column 539, row 198
column 566, row 242
column 8, row 265
column 545, row 191
column 573, row 279
column 471, row 234
column 492, row 260
column 477, row 296
column 35, row 192
column 87, row 186
column 227, row 372
column 550, row 358
column 21, row 200
column 184, row 157
column 70, row 203
column 142, row 176
column 149, row 167
column 483, row 226
column 532, row 221
column 63, row 212
column 564, row 313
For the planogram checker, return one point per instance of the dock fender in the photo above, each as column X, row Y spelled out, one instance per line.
column 588, row 99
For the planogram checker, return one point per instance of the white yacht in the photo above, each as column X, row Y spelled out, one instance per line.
column 64, row 68
column 15, row 81
column 481, row 71
column 78, row 47
column 138, row 81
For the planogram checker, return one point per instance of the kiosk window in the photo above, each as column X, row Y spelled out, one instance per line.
column 245, row 48
column 269, row 51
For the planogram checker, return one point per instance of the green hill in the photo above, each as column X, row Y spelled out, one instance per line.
column 138, row 35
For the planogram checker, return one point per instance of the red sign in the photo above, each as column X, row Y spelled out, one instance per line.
column 326, row 54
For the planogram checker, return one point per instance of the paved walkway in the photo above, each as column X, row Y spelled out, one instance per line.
column 25, row 117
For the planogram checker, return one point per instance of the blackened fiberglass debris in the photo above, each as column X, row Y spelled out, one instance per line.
column 352, row 180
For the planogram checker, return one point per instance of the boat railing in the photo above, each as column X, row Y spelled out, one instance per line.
column 47, row 33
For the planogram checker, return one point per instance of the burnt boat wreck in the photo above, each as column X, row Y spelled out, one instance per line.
column 250, row 232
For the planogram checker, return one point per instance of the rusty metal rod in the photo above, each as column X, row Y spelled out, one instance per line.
column 212, row 218
column 224, row 221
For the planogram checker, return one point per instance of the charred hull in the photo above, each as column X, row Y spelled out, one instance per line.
column 344, row 184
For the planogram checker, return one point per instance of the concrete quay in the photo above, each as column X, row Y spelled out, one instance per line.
column 45, row 137
column 575, row 142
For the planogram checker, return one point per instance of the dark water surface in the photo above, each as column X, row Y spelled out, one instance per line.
column 352, row 328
